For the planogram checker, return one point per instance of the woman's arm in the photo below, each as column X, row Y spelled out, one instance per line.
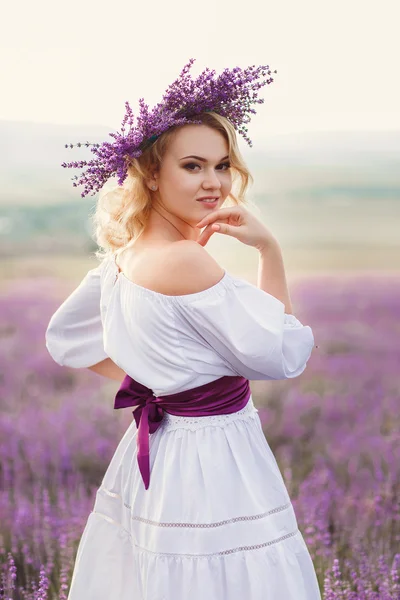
column 271, row 274
column 109, row 369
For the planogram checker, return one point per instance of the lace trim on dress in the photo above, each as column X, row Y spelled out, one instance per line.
column 221, row 553
column 173, row 422
column 198, row 525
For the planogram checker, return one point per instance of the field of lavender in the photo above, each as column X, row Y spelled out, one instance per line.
column 334, row 431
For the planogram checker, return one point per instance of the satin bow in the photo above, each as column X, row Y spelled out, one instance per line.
column 148, row 416
column 224, row 395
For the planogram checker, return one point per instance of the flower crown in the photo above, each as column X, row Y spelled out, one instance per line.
column 230, row 94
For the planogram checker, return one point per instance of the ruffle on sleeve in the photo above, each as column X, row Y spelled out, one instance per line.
column 74, row 336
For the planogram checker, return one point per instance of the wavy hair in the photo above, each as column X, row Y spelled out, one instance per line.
column 122, row 212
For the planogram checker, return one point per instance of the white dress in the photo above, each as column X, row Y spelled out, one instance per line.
column 216, row 522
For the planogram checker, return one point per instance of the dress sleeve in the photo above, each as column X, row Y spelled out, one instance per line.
column 74, row 335
column 249, row 328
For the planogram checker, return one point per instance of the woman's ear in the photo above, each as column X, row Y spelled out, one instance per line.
column 152, row 183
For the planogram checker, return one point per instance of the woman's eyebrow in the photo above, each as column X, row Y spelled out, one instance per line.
column 202, row 159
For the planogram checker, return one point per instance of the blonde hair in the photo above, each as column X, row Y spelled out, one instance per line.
column 122, row 212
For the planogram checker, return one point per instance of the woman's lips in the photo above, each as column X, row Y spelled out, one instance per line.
column 209, row 203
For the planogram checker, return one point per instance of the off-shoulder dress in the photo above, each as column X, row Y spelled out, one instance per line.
column 217, row 522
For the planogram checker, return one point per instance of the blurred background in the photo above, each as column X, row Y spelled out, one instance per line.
column 326, row 167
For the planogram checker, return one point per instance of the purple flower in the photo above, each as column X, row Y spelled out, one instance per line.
column 229, row 94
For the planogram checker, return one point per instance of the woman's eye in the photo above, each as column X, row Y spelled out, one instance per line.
column 226, row 165
column 192, row 166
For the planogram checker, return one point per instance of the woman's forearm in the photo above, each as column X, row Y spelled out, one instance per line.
column 109, row 369
column 271, row 274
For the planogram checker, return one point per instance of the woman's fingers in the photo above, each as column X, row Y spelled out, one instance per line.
column 217, row 227
column 205, row 236
column 237, row 222
column 223, row 216
column 221, row 213
column 211, row 227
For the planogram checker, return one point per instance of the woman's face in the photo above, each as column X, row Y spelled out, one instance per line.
column 195, row 165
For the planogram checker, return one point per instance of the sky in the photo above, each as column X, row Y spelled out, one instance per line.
column 77, row 62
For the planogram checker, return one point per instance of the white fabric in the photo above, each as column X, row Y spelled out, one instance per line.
column 172, row 343
column 216, row 521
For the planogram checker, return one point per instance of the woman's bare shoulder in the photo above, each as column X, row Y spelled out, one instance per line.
column 175, row 269
column 187, row 268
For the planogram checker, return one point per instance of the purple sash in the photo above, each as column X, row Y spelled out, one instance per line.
column 222, row 396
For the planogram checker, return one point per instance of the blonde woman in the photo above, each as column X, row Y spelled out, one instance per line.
column 193, row 504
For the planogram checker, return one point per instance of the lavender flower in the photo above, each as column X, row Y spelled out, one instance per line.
column 230, row 94
column 334, row 432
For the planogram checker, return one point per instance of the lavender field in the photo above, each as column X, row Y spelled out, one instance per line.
column 334, row 431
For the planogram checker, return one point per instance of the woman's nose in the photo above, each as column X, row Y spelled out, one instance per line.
column 211, row 180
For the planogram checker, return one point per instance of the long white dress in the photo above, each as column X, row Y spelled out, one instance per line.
column 217, row 522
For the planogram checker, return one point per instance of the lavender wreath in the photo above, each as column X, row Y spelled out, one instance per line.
column 230, row 94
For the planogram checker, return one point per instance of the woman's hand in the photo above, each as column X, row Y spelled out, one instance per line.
column 238, row 222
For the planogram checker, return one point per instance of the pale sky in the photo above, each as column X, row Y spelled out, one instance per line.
column 77, row 62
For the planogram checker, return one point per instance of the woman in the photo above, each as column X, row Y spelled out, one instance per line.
column 193, row 504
